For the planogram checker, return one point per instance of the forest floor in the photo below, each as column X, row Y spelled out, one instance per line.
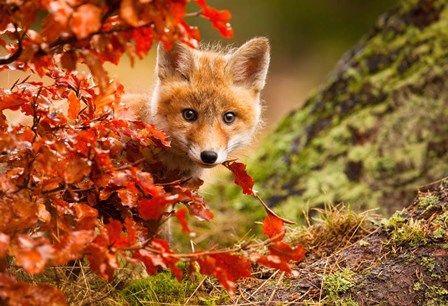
column 357, row 259
column 352, row 259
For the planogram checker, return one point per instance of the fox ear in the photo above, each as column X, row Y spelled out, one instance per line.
column 176, row 62
column 249, row 64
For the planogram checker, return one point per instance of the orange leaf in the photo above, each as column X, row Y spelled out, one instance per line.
column 275, row 262
column 32, row 254
column 86, row 216
column 100, row 75
column 242, row 179
column 286, row 252
column 273, row 227
column 14, row 292
column 85, row 20
column 71, row 246
column 74, row 105
column 4, row 244
column 129, row 13
column 74, row 170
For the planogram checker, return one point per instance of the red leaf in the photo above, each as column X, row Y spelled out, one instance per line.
column 275, row 262
column 181, row 216
column 11, row 100
column 200, row 211
column 143, row 40
column 280, row 254
column 84, row 140
column 153, row 209
column 242, row 179
column 117, row 239
column 153, row 261
column 273, row 227
column 74, row 105
column 227, row 268
column 285, row 252
column 195, row 204
column 102, row 259
column 219, row 18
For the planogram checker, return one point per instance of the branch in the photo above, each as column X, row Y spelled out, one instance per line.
column 5, row 60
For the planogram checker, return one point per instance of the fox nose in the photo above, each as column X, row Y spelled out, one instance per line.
column 209, row 157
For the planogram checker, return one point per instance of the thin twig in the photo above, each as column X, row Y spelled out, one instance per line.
column 195, row 290
column 14, row 56
column 269, row 210
column 280, row 279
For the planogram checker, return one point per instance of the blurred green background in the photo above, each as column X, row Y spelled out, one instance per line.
column 308, row 37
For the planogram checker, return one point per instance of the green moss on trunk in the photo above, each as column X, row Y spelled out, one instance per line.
column 374, row 132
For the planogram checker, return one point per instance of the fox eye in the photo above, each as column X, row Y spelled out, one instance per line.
column 189, row 115
column 229, row 117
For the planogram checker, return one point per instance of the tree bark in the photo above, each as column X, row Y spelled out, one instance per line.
column 374, row 132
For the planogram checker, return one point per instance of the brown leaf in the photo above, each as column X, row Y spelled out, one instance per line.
column 68, row 60
column 74, row 170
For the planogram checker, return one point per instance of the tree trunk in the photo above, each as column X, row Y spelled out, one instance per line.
column 374, row 132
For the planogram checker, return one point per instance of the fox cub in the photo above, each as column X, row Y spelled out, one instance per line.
column 207, row 101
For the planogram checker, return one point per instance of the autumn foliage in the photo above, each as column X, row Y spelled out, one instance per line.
column 73, row 182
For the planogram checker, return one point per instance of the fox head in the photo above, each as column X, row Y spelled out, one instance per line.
column 208, row 101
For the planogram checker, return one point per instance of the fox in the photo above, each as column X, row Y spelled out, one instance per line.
column 207, row 101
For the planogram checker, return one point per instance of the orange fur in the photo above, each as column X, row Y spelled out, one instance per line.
column 210, row 84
